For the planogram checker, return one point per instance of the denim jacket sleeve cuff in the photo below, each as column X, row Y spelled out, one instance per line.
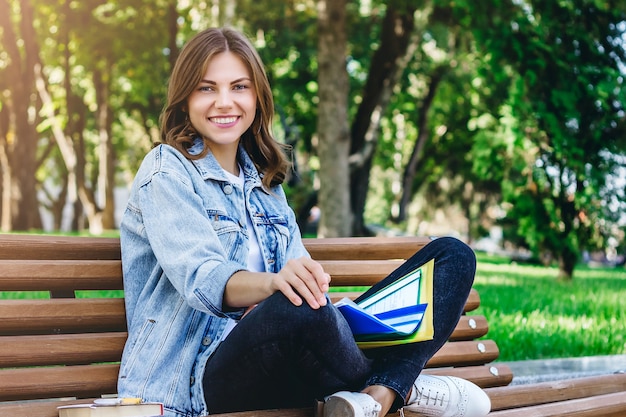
column 211, row 295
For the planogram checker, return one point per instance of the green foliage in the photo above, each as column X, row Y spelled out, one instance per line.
column 527, row 115
column 568, row 65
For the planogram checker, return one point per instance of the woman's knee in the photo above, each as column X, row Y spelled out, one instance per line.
column 456, row 249
column 302, row 317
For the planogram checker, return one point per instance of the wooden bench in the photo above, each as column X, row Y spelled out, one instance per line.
column 65, row 349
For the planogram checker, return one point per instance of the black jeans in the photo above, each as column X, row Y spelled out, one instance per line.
column 282, row 356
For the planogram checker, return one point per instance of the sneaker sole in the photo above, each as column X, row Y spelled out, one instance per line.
column 338, row 407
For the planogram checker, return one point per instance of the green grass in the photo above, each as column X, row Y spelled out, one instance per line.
column 532, row 315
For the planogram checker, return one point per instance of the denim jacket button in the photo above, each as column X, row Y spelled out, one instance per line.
column 206, row 341
column 228, row 189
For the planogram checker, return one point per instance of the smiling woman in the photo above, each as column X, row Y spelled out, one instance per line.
column 223, row 107
column 226, row 309
column 199, row 72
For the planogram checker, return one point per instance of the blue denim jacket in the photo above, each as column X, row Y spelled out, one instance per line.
column 183, row 235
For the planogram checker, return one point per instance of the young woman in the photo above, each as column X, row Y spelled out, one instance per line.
column 226, row 310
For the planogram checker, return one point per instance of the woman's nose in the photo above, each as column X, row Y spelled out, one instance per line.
column 223, row 99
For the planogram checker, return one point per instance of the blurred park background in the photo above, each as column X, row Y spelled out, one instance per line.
column 499, row 121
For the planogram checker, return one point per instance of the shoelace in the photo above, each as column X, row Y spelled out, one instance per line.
column 428, row 396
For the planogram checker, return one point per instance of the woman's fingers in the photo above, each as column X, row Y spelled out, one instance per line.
column 306, row 279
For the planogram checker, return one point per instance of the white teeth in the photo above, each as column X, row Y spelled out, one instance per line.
column 223, row 120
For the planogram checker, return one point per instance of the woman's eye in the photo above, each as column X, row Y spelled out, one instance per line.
column 240, row 87
column 205, row 88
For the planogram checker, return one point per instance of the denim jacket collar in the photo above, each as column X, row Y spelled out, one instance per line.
column 209, row 167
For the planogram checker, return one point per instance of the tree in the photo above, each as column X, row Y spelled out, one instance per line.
column 19, row 135
column 445, row 105
column 332, row 127
column 386, row 65
column 567, row 100
column 99, row 68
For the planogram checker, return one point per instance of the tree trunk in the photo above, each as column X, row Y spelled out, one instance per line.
column 332, row 122
column 21, row 207
column 73, row 131
column 567, row 262
column 387, row 65
column 98, row 200
column 5, row 169
column 106, row 152
column 422, row 137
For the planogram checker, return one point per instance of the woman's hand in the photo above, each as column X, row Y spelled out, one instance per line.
column 302, row 278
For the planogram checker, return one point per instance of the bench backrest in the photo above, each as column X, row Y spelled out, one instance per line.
column 64, row 346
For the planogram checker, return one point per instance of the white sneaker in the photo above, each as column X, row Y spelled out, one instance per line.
column 447, row 396
column 351, row 404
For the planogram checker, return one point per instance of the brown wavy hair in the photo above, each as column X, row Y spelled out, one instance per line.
column 267, row 154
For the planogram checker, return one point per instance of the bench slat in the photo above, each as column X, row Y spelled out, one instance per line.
column 358, row 273
column 62, row 316
column 49, row 409
column 83, row 381
column 67, row 349
column 36, row 408
column 58, row 247
column 551, row 391
column 72, row 349
column 283, row 412
column 610, row 405
column 607, row 405
column 494, row 375
column 470, row 328
column 57, row 316
column 107, row 274
column 474, row 352
column 363, row 248
column 69, row 247
column 60, row 275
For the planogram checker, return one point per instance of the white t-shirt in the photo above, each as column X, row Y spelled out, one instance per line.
column 255, row 258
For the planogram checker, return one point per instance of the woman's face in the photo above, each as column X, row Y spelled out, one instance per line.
column 223, row 105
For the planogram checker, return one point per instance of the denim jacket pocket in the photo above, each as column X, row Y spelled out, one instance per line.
column 136, row 346
column 231, row 234
column 275, row 238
